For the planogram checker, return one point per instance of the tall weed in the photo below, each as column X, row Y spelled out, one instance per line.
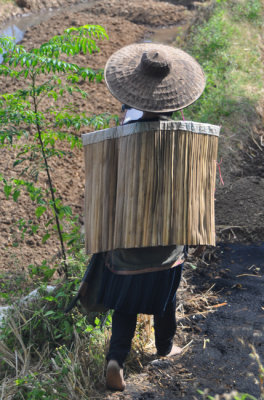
column 46, row 354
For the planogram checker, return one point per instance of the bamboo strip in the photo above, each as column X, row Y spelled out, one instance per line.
column 150, row 188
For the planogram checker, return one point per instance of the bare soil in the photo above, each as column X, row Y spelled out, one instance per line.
column 215, row 357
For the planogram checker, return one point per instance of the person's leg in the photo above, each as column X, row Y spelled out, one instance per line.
column 165, row 325
column 123, row 329
column 165, row 328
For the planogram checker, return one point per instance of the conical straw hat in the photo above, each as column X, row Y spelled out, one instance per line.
column 154, row 77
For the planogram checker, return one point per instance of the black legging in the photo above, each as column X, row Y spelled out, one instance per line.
column 123, row 329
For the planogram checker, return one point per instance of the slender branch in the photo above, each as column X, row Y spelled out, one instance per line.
column 51, row 188
column 45, row 93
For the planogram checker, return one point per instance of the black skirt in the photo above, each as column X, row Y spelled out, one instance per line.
column 147, row 293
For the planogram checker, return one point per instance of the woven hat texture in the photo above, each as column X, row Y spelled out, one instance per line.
column 154, row 77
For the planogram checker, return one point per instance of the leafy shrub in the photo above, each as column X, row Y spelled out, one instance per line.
column 35, row 130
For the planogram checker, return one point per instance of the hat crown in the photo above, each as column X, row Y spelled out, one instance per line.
column 154, row 77
column 154, row 62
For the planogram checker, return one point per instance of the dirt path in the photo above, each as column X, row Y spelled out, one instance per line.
column 220, row 332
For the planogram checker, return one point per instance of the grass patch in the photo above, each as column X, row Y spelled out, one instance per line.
column 49, row 355
column 228, row 46
column 46, row 354
column 7, row 2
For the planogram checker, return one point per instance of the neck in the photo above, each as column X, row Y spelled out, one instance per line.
column 149, row 115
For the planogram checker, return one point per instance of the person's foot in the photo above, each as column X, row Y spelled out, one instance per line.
column 114, row 376
column 174, row 351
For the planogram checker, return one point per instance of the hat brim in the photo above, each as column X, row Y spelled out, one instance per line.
column 182, row 86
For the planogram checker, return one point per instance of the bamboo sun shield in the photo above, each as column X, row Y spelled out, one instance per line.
column 150, row 184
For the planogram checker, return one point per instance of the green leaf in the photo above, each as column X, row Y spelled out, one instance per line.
column 45, row 237
column 50, row 221
column 89, row 328
column 34, row 228
column 7, row 190
column 16, row 194
column 67, row 326
column 50, row 298
column 49, row 313
column 40, row 210
column 66, row 210
column 17, row 162
column 84, row 46
column 53, row 94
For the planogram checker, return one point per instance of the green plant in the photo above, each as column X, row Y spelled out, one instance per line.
column 219, row 46
column 227, row 396
column 229, row 48
column 35, row 365
column 260, row 365
column 49, row 354
column 33, row 129
column 32, row 387
column 249, row 10
column 42, row 319
column 210, row 43
column 7, row 1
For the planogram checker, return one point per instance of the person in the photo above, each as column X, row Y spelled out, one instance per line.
column 152, row 81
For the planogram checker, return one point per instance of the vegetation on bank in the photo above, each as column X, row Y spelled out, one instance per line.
column 45, row 354
column 228, row 44
column 7, row 1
